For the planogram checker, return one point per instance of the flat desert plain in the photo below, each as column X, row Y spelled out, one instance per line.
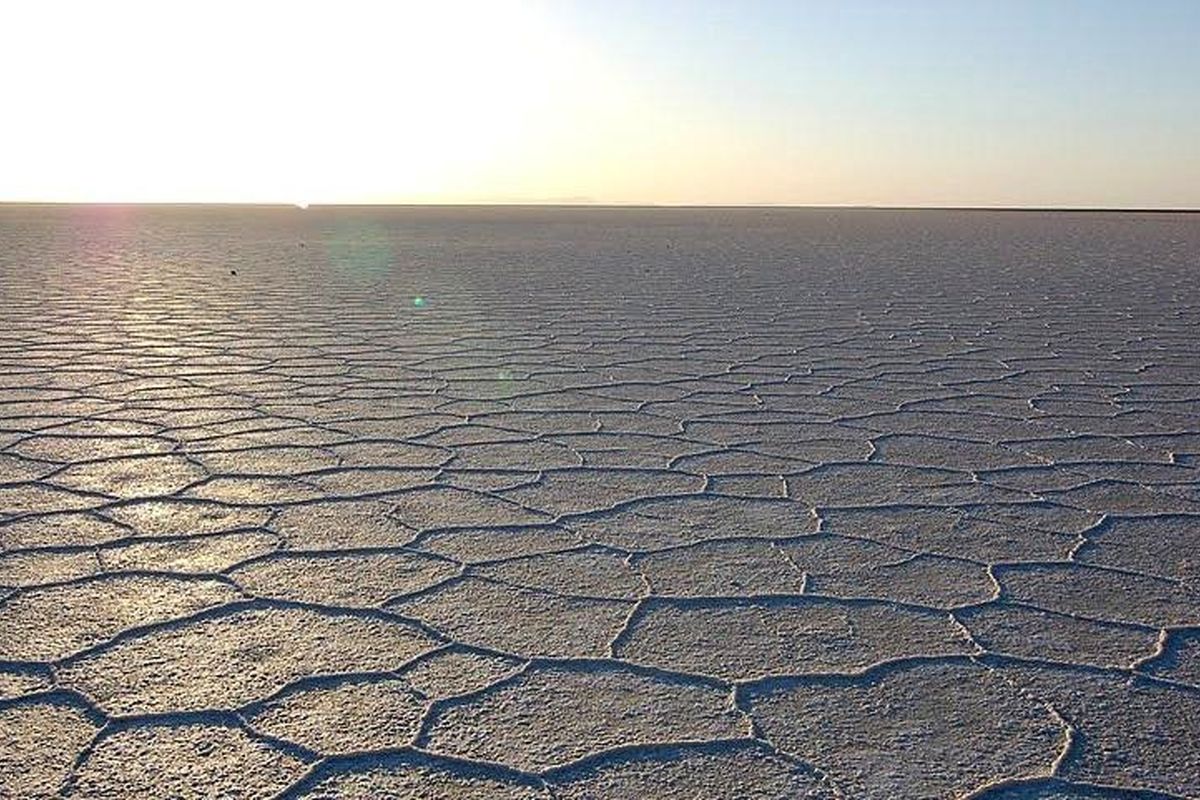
column 598, row 503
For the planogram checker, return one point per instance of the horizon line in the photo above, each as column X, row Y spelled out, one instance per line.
column 617, row 206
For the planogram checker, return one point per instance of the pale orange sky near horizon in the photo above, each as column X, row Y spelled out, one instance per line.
column 659, row 103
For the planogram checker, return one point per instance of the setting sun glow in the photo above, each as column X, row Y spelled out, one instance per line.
column 500, row 101
column 285, row 102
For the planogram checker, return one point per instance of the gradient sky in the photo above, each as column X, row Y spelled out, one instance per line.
column 926, row 102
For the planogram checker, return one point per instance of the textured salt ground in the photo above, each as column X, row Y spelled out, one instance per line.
column 669, row 504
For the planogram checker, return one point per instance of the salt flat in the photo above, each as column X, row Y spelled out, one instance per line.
column 586, row 503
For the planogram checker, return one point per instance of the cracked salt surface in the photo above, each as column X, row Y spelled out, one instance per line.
column 668, row 504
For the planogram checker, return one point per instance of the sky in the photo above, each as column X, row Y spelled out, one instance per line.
column 809, row 102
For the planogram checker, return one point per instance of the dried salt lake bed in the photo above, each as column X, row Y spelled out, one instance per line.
column 586, row 503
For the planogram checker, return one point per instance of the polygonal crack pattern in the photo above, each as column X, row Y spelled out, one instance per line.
column 672, row 504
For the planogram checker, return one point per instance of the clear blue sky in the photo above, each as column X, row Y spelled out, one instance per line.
column 1009, row 101
column 926, row 102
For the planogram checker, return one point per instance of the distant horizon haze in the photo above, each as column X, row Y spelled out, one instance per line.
column 1057, row 104
column 598, row 206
